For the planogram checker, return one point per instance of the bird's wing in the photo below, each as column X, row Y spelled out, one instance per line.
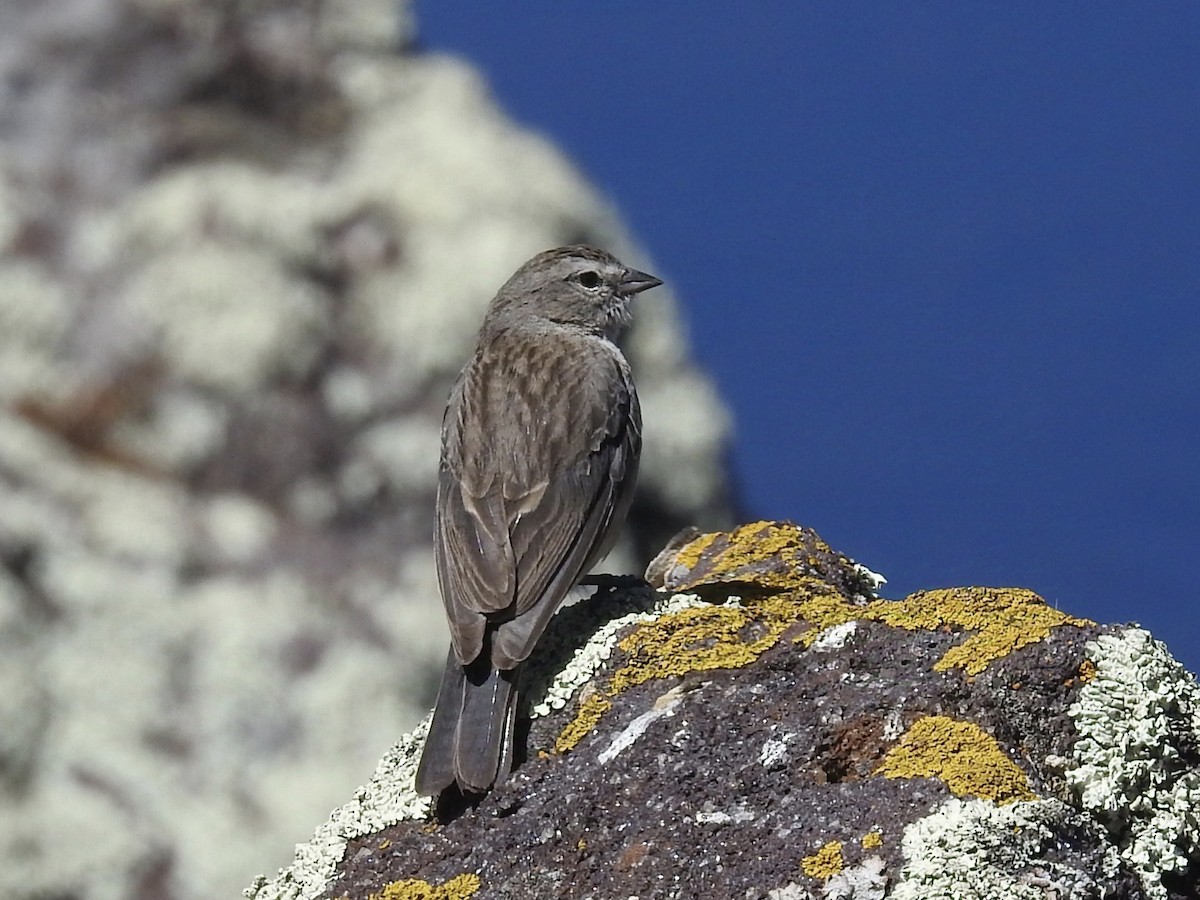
column 475, row 568
column 573, row 523
column 475, row 565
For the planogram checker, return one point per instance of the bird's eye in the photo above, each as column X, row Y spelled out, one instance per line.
column 589, row 279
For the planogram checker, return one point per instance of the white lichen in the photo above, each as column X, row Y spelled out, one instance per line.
column 834, row 637
column 196, row 302
column 238, row 527
column 739, row 814
column 242, row 204
column 790, row 891
column 629, row 735
column 178, row 429
column 873, row 579
column 866, row 881
column 348, row 393
column 774, row 751
column 404, row 453
column 241, row 686
column 366, row 24
column 34, row 315
column 1137, row 718
column 136, row 519
column 680, row 414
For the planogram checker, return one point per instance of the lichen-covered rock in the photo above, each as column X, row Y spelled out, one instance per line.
column 776, row 731
column 244, row 247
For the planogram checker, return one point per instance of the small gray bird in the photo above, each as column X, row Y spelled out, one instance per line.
column 540, row 445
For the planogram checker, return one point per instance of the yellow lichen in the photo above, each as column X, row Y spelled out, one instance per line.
column 690, row 640
column 781, row 556
column 1087, row 671
column 1003, row 619
column 591, row 709
column 824, row 610
column 825, row 863
column 689, row 554
column 766, row 554
column 461, row 887
column 962, row 755
column 731, row 636
column 703, row 638
column 872, row 840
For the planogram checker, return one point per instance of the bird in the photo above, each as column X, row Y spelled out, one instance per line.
column 541, row 440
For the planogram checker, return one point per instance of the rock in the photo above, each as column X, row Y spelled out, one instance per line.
column 244, row 248
column 765, row 727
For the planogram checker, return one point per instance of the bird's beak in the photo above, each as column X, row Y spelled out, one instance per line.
column 634, row 282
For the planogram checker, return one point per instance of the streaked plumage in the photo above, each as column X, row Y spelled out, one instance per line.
column 540, row 446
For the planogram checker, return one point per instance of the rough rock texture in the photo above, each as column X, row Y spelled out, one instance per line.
column 762, row 727
column 244, row 246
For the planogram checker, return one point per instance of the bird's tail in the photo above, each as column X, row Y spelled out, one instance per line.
column 471, row 737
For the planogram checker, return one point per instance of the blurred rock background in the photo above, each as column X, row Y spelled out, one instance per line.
column 244, row 247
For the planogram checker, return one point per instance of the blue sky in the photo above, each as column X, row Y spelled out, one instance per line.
column 943, row 260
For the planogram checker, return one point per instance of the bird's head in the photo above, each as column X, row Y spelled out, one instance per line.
column 578, row 285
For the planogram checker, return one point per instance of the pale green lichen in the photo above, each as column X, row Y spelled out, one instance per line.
column 238, row 527
column 135, row 519
column 790, row 891
column 378, row 25
column 390, row 797
column 202, row 729
column 242, row 203
column 683, row 410
column 872, row 580
column 834, row 637
column 974, row 848
column 1138, row 719
column 182, row 427
column 10, row 211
